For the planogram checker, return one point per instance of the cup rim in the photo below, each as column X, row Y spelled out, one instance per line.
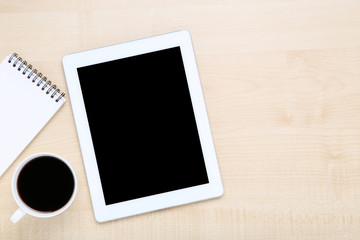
column 23, row 205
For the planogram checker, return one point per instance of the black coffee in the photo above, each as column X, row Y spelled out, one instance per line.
column 45, row 184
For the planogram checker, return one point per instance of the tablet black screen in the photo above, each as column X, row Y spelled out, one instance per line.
column 142, row 125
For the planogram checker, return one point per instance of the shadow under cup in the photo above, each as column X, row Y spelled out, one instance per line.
column 45, row 184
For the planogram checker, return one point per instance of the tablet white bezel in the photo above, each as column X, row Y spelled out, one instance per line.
column 105, row 212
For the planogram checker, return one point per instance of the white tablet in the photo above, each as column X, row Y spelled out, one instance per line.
column 142, row 125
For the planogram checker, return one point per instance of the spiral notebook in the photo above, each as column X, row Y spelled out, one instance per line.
column 27, row 102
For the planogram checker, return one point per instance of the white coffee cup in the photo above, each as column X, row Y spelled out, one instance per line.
column 23, row 207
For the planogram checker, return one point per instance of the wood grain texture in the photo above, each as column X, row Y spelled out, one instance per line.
column 281, row 80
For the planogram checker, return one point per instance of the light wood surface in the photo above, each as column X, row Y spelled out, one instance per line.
column 281, row 80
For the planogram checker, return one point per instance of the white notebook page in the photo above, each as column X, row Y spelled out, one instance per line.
column 24, row 111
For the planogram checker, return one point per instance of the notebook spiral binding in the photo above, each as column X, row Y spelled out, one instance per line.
column 36, row 78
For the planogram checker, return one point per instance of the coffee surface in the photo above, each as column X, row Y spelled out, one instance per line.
column 45, row 184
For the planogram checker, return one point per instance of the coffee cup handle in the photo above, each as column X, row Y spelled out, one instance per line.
column 17, row 215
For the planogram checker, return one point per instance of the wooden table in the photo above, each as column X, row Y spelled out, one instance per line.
column 281, row 81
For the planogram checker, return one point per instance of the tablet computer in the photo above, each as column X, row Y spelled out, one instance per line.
column 142, row 125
